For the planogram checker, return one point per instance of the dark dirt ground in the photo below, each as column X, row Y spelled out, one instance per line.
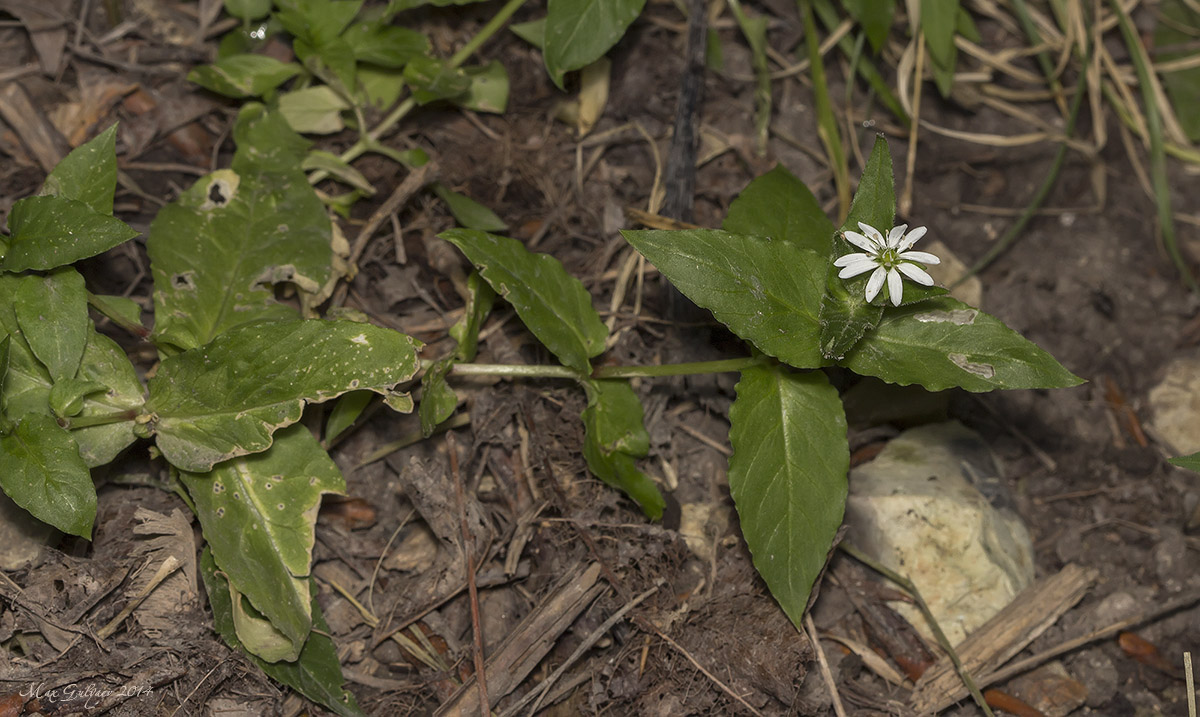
column 1088, row 283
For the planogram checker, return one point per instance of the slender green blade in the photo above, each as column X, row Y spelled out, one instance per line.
column 317, row 674
column 778, row 205
column 1191, row 462
column 939, row 19
column 468, row 212
column 787, row 476
column 767, row 291
column 227, row 398
column 579, row 32
column 480, row 297
column 1179, row 27
column 554, row 305
column 875, row 17
column 40, row 469
column 943, row 343
column 344, row 413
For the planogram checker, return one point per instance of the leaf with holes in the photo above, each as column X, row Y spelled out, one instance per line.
column 943, row 343
column 317, row 674
column 218, row 251
column 258, row 515
column 554, row 305
column 40, row 469
column 227, row 398
column 787, row 476
column 766, row 291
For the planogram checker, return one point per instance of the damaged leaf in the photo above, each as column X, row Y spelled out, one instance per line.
column 227, row 398
column 217, row 251
column 943, row 343
column 316, row 674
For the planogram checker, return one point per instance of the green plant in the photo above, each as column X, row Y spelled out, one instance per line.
column 772, row 276
column 237, row 368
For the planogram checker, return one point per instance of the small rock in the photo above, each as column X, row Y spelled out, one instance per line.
column 920, row 508
column 22, row 536
column 1050, row 690
column 1096, row 670
column 1175, row 407
column 1171, row 560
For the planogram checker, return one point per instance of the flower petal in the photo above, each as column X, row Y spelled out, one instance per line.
column 895, row 286
column 912, row 238
column 915, row 273
column 923, row 257
column 847, row 259
column 856, row 268
column 861, row 241
column 873, row 233
column 875, row 283
column 893, row 237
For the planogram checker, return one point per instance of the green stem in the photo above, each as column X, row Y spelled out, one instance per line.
column 541, row 371
column 363, row 145
column 103, row 419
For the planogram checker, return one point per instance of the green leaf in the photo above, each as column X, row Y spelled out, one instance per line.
column 227, row 398
column 614, row 436
column 5, row 343
column 1179, row 25
column 316, row 110
column 258, row 515
column 875, row 17
column 554, row 305
column 432, row 79
column 217, row 251
column 787, row 476
column 316, row 21
column 381, row 87
column 533, row 32
column 248, row 9
column 943, row 343
column 579, row 32
column 480, row 297
column 40, row 469
column 244, row 75
column 938, row 21
column 438, row 400
column 488, row 91
column 317, row 674
column 49, row 232
column 52, row 313
column 468, row 212
column 385, row 45
column 88, row 173
column 345, row 412
column 778, row 205
column 766, row 291
column 66, row 396
column 1191, row 462
column 845, row 313
column 395, row 6
column 106, row 363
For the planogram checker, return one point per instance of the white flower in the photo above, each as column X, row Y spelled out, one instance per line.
column 889, row 257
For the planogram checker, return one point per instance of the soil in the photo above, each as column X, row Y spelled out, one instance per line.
column 1088, row 281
